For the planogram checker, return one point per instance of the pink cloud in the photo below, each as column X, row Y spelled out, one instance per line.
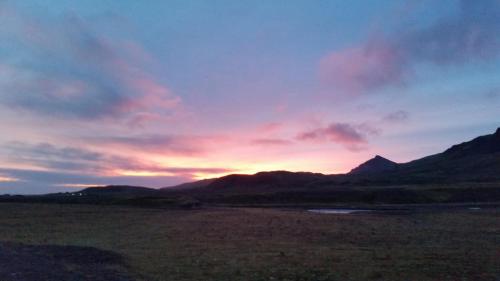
column 358, row 69
column 271, row 142
column 148, row 96
column 271, row 127
column 470, row 36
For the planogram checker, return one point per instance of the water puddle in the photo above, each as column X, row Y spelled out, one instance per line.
column 337, row 211
column 346, row 211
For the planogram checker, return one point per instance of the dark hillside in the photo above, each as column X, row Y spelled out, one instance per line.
column 377, row 164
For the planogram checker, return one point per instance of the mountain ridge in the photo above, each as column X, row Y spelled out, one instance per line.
column 468, row 172
column 375, row 165
column 476, row 159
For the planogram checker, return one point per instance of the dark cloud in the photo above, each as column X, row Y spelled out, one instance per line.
column 493, row 94
column 68, row 160
column 60, row 168
column 353, row 137
column 396, row 116
column 36, row 182
column 46, row 150
column 48, row 156
column 470, row 36
column 52, row 177
column 69, row 70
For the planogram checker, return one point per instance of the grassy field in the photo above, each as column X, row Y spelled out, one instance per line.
column 269, row 244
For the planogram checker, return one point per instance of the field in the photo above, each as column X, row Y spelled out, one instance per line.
column 266, row 244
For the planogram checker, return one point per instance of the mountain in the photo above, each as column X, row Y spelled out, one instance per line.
column 477, row 160
column 454, row 175
column 375, row 165
column 468, row 172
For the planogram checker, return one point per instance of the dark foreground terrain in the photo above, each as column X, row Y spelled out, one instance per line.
column 19, row 262
column 89, row 242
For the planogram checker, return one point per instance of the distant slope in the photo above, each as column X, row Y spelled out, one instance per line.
column 189, row 185
column 261, row 182
column 123, row 191
column 375, row 165
column 265, row 181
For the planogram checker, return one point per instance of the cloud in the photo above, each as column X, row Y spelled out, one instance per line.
column 492, row 94
column 270, row 127
column 389, row 60
column 36, row 182
column 30, row 181
column 396, row 116
column 70, row 159
column 187, row 145
column 48, row 156
column 363, row 68
column 64, row 68
column 46, row 150
column 471, row 35
column 189, row 171
column 353, row 137
column 271, row 142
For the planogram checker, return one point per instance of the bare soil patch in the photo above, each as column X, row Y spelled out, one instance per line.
column 20, row 262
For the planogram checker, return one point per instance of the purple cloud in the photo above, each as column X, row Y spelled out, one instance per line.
column 468, row 37
column 187, row 145
column 353, row 137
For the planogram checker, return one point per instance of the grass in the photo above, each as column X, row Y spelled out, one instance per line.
column 270, row 244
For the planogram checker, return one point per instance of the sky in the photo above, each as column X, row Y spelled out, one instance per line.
column 157, row 93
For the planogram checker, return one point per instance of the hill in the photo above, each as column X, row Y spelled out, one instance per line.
column 190, row 185
column 117, row 191
column 377, row 164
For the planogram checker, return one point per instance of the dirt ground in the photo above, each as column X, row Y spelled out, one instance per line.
column 19, row 262
column 249, row 244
